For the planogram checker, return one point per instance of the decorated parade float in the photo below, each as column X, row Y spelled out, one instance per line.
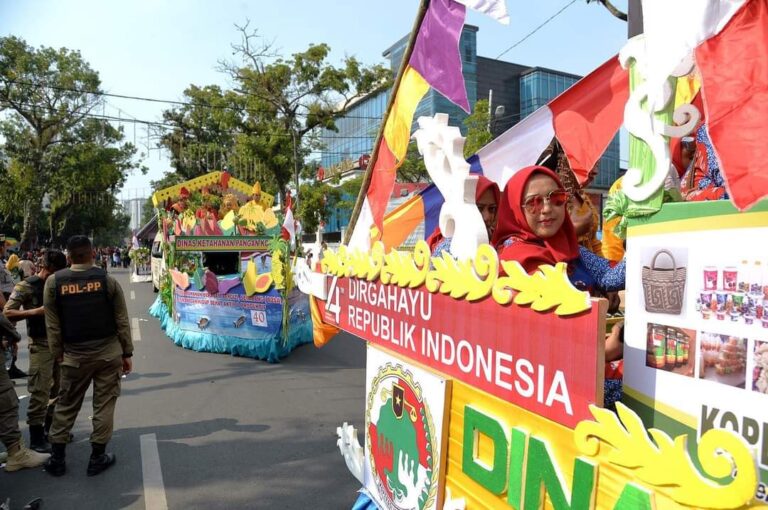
column 228, row 286
column 485, row 383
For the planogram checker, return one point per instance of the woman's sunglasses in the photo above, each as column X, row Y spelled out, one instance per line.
column 556, row 198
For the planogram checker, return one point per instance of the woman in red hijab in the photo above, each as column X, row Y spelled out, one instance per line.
column 487, row 197
column 534, row 229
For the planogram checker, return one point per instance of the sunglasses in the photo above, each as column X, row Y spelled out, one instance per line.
column 556, row 198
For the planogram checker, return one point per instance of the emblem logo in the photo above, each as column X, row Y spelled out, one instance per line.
column 400, row 436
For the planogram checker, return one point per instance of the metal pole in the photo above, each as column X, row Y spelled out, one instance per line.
column 490, row 109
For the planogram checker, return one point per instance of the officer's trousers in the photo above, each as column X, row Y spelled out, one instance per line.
column 9, row 408
column 76, row 377
column 43, row 383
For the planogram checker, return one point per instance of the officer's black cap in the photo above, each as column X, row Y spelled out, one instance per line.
column 78, row 242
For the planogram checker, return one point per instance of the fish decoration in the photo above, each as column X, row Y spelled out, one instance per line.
column 203, row 322
column 211, row 282
column 239, row 322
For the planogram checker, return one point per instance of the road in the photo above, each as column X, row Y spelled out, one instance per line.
column 198, row 430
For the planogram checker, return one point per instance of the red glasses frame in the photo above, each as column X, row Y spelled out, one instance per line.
column 556, row 198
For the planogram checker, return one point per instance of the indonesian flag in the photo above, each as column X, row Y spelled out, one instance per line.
column 734, row 84
column 288, row 230
column 584, row 119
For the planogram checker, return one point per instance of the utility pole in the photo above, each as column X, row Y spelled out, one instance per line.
column 295, row 167
column 490, row 109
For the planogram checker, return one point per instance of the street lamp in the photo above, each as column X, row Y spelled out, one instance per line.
column 497, row 114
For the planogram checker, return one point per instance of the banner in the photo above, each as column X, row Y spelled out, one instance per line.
column 222, row 243
column 696, row 355
column 233, row 314
column 547, row 364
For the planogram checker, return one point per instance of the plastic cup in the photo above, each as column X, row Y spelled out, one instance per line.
column 722, row 300
column 730, row 278
column 706, row 313
column 710, row 278
column 749, row 318
column 720, row 315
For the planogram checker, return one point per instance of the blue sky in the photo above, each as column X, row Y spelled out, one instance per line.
column 156, row 48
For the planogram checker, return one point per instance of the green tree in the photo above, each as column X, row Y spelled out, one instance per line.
column 318, row 200
column 292, row 98
column 413, row 168
column 81, row 193
column 45, row 93
column 477, row 128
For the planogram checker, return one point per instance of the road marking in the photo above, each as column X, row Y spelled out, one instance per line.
column 135, row 330
column 133, row 294
column 152, row 474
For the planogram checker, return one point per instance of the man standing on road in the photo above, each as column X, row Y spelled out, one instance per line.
column 26, row 302
column 89, row 331
column 19, row 457
column 6, row 287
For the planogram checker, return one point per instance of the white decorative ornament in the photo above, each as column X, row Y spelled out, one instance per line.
column 309, row 282
column 666, row 49
column 351, row 450
column 442, row 147
column 642, row 123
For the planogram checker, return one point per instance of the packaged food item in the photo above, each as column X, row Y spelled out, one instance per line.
column 710, row 278
column 730, row 278
column 671, row 353
column 744, row 271
column 756, row 279
column 680, row 349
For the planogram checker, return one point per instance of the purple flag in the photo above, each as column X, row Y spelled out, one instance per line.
column 436, row 55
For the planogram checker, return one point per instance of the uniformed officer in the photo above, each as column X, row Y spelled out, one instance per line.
column 89, row 331
column 26, row 302
column 19, row 457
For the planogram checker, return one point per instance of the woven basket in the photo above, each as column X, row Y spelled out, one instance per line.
column 664, row 288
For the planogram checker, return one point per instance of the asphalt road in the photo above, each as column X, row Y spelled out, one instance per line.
column 228, row 432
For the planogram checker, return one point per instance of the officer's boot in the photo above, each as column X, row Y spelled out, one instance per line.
column 99, row 459
column 37, row 439
column 21, row 457
column 56, row 465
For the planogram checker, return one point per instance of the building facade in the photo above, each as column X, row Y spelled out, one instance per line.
column 133, row 208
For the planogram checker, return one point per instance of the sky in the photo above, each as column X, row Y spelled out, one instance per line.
column 157, row 48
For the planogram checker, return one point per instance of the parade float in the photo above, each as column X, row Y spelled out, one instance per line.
column 484, row 384
column 228, row 287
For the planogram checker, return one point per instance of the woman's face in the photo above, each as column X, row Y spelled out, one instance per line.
column 545, row 217
column 487, row 206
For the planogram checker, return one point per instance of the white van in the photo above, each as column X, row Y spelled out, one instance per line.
column 158, row 261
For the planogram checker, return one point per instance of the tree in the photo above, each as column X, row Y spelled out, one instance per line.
column 293, row 97
column 477, row 124
column 81, row 194
column 203, row 135
column 318, row 200
column 413, row 168
column 45, row 92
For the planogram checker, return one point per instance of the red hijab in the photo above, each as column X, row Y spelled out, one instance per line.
column 529, row 249
column 483, row 185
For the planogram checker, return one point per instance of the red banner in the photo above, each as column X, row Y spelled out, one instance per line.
column 549, row 365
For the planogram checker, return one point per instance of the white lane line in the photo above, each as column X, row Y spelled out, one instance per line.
column 133, row 294
column 152, row 474
column 135, row 330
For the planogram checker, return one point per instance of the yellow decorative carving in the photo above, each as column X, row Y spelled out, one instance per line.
column 269, row 220
column 664, row 463
column 277, row 270
column 549, row 287
column 472, row 279
column 209, row 179
column 228, row 221
column 252, row 213
column 188, row 221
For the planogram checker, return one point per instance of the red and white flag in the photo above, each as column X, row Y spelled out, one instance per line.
column 584, row 119
column 734, row 86
column 288, row 230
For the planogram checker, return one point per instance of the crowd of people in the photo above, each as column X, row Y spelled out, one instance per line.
column 79, row 336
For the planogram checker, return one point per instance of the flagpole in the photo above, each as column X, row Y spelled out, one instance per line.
column 375, row 155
